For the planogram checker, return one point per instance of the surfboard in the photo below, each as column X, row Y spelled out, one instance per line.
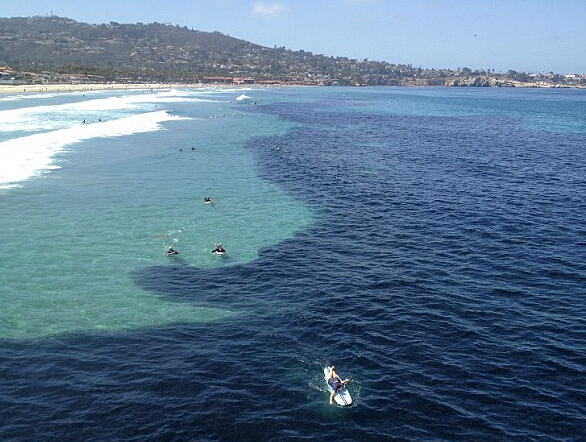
column 341, row 398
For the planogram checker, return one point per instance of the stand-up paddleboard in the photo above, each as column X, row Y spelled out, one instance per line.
column 342, row 397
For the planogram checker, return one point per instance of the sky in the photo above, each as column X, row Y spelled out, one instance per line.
column 521, row 35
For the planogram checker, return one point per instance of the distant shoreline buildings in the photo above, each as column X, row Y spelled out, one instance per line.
column 59, row 50
column 10, row 76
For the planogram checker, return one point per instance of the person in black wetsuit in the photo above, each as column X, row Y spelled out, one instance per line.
column 171, row 251
column 219, row 249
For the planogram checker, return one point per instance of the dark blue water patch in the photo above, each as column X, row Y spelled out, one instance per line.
column 445, row 275
column 473, row 210
column 446, row 364
column 336, row 148
column 167, row 384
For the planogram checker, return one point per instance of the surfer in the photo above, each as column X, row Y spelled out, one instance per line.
column 207, row 200
column 219, row 249
column 335, row 383
column 171, row 251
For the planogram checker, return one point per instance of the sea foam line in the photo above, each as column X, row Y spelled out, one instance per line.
column 32, row 155
column 51, row 117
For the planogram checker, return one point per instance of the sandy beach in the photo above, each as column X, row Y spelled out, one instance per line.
column 61, row 87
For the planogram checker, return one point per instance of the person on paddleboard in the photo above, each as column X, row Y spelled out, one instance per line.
column 335, row 383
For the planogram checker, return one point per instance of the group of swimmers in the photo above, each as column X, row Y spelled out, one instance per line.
column 219, row 250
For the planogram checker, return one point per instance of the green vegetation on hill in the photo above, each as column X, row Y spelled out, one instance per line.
column 41, row 48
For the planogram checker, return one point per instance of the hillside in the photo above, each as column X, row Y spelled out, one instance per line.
column 56, row 43
column 160, row 52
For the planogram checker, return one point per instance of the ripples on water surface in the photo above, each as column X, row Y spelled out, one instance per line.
column 445, row 274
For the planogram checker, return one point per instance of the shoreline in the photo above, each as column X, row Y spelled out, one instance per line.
column 61, row 87
column 7, row 89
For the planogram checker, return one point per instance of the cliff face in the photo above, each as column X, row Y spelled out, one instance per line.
column 504, row 81
column 471, row 82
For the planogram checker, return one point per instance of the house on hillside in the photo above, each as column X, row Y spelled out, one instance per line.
column 8, row 76
column 218, row 80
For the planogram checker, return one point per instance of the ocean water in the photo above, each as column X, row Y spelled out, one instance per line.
column 429, row 242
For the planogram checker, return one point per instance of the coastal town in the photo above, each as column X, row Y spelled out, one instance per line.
column 57, row 50
column 11, row 77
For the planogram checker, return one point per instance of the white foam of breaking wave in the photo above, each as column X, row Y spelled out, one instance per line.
column 25, row 96
column 227, row 90
column 26, row 157
column 52, row 117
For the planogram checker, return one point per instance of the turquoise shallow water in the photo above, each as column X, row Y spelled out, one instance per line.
column 73, row 237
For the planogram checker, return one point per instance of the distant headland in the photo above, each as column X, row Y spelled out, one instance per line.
column 37, row 51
